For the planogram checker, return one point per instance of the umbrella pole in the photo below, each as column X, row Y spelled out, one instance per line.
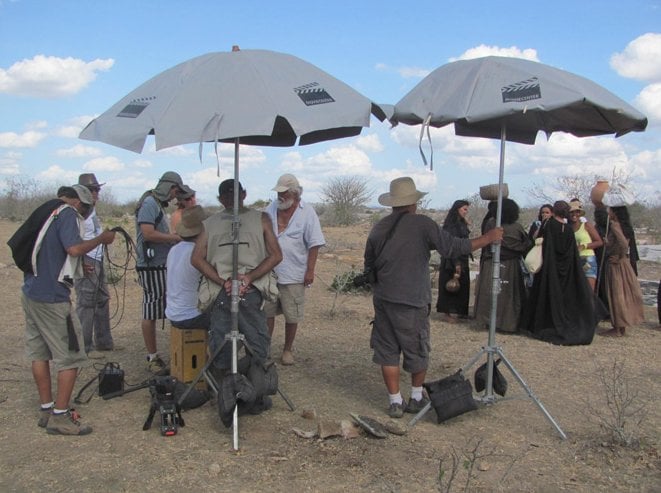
column 491, row 348
column 234, row 306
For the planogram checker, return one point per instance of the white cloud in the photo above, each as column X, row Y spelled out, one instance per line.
column 369, row 143
column 641, row 59
column 78, row 151
column 649, row 102
column 484, row 50
column 57, row 174
column 105, row 164
column 50, row 77
column 72, row 127
column 142, row 163
column 10, row 163
column 26, row 139
column 404, row 72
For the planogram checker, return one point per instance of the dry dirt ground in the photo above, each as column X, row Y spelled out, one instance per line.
column 334, row 376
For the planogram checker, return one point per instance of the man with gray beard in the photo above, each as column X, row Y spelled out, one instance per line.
column 298, row 230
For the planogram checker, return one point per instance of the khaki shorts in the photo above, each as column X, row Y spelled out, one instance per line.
column 47, row 335
column 291, row 302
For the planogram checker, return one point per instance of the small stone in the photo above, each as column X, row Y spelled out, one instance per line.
column 214, row 469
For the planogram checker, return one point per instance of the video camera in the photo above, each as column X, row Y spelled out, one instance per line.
column 163, row 400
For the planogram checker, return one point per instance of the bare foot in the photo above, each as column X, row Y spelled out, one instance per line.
column 614, row 332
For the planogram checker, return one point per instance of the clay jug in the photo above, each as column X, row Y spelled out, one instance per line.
column 597, row 192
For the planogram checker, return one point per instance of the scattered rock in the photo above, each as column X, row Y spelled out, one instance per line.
column 349, row 429
column 396, row 428
column 214, row 469
column 304, row 434
column 309, row 414
column 370, row 425
column 327, row 429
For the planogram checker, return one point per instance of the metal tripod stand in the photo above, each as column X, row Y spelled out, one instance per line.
column 488, row 397
column 234, row 336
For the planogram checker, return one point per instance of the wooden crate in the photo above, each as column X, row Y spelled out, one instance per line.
column 188, row 354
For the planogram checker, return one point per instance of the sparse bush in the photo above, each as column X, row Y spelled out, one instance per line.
column 343, row 283
column 345, row 196
column 622, row 409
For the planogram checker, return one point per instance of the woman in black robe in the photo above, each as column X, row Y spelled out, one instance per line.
column 455, row 305
column 560, row 309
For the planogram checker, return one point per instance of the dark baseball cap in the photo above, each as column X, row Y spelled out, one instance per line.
column 227, row 186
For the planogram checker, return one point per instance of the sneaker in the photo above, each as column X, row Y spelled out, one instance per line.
column 287, row 358
column 67, row 424
column 158, row 367
column 415, row 406
column 44, row 415
column 396, row 410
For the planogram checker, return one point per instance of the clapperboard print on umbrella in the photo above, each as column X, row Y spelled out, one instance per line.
column 525, row 90
column 135, row 107
column 312, row 94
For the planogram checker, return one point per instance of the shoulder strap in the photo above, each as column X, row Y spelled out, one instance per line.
column 390, row 233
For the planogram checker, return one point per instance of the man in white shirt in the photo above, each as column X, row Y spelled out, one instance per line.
column 182, row 279
column 298, row 230
column 92, row 297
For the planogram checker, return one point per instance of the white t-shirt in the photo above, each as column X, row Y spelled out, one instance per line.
column 92, row 230
column 182, row 282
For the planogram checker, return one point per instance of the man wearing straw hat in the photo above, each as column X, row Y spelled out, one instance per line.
column 398, row 251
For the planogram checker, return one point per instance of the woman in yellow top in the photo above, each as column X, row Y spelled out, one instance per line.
column 587, row 239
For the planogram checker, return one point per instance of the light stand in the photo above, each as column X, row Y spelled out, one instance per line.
column 234, row 336
column 491, row 349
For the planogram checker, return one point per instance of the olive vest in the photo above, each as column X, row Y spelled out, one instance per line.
column 252, row 248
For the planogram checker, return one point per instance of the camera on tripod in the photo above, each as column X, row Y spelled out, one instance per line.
column 164, row 401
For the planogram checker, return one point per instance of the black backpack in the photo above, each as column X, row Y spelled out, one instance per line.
column 23, row 240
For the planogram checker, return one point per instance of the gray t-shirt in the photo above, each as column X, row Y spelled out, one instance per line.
column 403, row 264
column 149, row 212
column 63, row 233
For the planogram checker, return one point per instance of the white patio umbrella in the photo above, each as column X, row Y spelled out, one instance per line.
column 512, row 99
column 254, row 97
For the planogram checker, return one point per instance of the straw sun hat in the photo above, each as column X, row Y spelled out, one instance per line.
column 402, row 193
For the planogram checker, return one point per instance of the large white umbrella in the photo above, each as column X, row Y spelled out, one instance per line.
column 254, row 97
column 513, row 99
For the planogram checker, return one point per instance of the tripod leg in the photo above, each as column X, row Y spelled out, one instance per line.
column 420, row 414
column 530, row 393
column 204, row 372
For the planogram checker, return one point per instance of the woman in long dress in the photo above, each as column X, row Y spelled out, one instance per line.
column 511, row 298
column 625, row 299
column 560, row 309
column 455, row 305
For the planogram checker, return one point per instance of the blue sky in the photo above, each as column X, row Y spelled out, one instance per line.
column 64, row 62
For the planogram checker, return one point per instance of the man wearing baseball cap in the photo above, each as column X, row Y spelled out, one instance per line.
column 153, row 242
column 52, row 331
column 297, row 227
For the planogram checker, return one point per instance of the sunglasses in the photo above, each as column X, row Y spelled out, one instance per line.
column 94, row 189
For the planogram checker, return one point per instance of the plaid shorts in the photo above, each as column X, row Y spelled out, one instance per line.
column 152, row 281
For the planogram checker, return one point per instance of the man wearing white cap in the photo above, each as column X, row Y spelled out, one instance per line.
column 397, row 251
column 298, row 230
